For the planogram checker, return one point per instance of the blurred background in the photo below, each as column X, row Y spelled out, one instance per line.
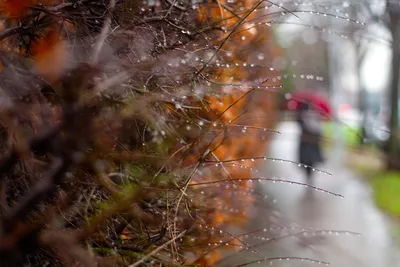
column 342, row 57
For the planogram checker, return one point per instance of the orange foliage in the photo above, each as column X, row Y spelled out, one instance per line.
column 15, row 9
column 49, row 53
column 231, row 107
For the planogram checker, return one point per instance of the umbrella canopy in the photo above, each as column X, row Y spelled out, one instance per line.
column 318, row 102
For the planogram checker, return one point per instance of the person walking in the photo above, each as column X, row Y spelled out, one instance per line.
column 309, row 150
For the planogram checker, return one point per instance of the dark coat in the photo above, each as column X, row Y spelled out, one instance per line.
column 309, row 148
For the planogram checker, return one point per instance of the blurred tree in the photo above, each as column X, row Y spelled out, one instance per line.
column 391, row 20
column 361, row 11
column 393, row 146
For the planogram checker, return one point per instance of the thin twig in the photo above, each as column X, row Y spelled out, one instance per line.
column 142, row 260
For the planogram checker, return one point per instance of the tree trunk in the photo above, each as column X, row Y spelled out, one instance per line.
column 363, row 111
column 393, row 148
column 362, row 101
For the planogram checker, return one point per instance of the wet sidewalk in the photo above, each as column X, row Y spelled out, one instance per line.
column 356, row 212
column 307, row 208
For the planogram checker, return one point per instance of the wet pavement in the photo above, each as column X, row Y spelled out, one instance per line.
column 308, row 209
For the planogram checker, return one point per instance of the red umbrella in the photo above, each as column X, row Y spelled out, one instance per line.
column 315, row 99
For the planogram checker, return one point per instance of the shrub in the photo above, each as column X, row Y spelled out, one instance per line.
column 126, row 128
